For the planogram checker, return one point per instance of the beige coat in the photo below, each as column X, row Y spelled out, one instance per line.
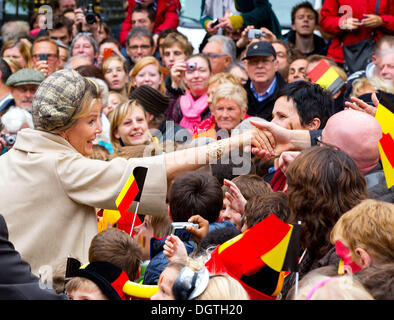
column 48, row 192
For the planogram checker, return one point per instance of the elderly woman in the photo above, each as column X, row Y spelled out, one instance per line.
column 84, row 44
column 50, row 208
column 228, row 108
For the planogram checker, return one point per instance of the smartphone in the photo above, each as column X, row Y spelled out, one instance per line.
column 43, row 56
column 107, row 53
column 215, row 23
column 256, row 34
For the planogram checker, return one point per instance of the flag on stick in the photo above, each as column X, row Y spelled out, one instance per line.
column 258, row 257
column 325, row 75
column 131, row 192
column 386, row 144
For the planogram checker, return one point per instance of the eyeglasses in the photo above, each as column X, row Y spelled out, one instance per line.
column 213, row 55
column 265, row 62
column 321, row 143
column 143, row 47
column 50, row 56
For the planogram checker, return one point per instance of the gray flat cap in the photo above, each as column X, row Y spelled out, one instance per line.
column 25, row 76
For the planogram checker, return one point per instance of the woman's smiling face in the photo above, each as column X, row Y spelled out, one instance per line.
column 82, row 135
column 133, row 130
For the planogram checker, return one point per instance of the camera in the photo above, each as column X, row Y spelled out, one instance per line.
column 191, row 66
column 90, row 15
column 182, row 225
column 9, row 138
column 256, row 34
column 44, row 56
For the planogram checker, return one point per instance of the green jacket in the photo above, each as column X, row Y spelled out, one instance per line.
column 253, row 12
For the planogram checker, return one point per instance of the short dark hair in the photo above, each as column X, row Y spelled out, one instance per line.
column 304, row 5
column 149, row 10
column 311, row 101
column 138, row 32
column 110, row 40
column 195, row 192
column 260, row 207
column 5, row 70
column 60, row 21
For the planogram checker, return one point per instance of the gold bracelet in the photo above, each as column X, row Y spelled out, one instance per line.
column 216, row 150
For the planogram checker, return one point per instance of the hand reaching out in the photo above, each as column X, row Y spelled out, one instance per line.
column 235, row 198
column 174, row 249
column 362, row 106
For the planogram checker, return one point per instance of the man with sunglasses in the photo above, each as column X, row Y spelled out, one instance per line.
column 264, row 79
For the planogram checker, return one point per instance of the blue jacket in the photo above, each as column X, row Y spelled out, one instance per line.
column 158, row 261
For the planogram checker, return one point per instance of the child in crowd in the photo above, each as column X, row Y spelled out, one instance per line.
column 117, row 247
column 193, row 193
column 97, row 281
column 237, row 192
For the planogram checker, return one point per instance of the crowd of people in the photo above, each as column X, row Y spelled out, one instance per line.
column 237, row 139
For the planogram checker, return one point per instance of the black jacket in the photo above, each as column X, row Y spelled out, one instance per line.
column 264, row 108
column 16, row 280
column 320, row 45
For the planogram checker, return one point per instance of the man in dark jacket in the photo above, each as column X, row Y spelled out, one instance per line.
column 265, row 81
column 16, row 280
column 304, row 19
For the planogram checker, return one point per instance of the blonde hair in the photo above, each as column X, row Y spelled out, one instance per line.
column 14, row 65
column 22, row 47
column 370, row 226
column 107, row 61
column 223, row 287
column 78, row 283
column 224, row 77
column 93, row 94
column 362, row 86
column 117, row 117
column 322, row 287
column 232, row 92
column 142, row 63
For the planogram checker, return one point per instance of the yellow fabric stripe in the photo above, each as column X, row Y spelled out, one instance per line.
column 327, row 78
column 385, row 118
column 228, row 243
column 125, row 188
column 276, row 257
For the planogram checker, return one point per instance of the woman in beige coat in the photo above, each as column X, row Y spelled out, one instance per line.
column 49, row 189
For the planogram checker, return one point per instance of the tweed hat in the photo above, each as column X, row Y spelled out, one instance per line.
column 152, row 100
column 57, row 100
column 25, row 76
